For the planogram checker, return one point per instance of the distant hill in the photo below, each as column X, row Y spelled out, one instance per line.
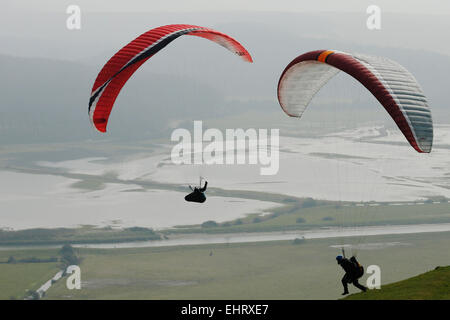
column 45, row 99
column 432, row 285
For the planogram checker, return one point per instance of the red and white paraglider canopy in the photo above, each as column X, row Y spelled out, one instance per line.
column 391, row 84
column 127, row 60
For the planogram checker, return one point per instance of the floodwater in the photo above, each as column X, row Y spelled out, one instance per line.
column 345, row 234
column 365, row 164
column 322, row 233
column 45, row 201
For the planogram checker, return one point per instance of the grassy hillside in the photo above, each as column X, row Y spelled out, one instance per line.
column 16, row 279
column 432, row 285
column 260, row 270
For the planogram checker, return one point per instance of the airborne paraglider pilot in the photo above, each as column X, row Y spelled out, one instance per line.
column 197, row 194
column 353, row 271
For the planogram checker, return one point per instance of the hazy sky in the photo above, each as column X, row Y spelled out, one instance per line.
column 410, row 7
column 38, row 28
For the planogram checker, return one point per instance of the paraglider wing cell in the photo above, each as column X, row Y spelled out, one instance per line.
column 127, row 60
column 391, row 84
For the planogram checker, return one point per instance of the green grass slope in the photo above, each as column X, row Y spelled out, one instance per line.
column 432, row 285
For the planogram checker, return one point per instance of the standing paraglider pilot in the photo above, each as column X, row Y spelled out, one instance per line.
column 353, row 271
column 197, row 194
